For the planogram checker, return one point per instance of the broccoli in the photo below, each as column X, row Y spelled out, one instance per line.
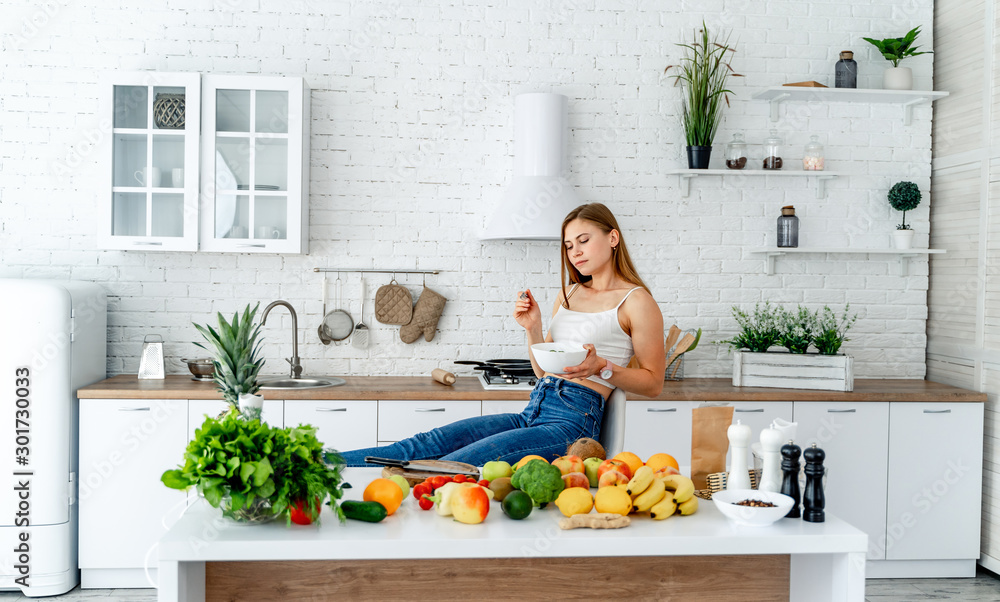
column 540, row 480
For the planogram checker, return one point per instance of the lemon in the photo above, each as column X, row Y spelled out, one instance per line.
column 575, row 500
column 614, row 500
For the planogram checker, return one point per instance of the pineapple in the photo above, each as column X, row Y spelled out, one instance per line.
column 235, row 350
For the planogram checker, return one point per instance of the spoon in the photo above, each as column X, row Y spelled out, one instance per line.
column 671, row 338
column 682, row 346
column 324, row 336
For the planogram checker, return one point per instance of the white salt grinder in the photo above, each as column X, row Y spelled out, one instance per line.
column 739, row 440
column 770, row 445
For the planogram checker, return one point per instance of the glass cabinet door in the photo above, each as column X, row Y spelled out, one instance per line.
column 151, row 202
column 255, row 164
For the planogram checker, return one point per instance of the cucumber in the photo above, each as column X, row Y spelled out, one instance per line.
column 371, row 512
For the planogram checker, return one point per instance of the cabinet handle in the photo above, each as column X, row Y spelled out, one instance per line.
column 133, row 409
column 429, row 410
column 661, row 409
column 141, row 242
column 331, row 409
column 850, row 411
column 937, row 411
column 745, row 411
column 261, row 246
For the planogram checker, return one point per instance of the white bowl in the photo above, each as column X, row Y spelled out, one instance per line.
column 556, row 357
column 726, row 500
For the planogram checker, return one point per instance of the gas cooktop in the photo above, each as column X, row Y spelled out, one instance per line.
column 500, row 383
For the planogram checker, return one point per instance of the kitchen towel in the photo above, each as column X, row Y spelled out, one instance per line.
column 428, row 310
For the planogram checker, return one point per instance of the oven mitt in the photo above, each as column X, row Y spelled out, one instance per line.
column 393, row 304
column 426, row 313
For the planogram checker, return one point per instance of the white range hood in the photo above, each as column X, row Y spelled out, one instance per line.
column 539, row 196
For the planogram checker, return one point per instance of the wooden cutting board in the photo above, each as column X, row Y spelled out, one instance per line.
column 417, row 476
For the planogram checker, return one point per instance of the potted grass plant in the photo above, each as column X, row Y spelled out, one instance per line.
column 895, row 50
column 903, row 196
column 756, row 365
column 703, row 73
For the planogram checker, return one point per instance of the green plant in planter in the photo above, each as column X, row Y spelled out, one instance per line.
column 904, row 196
column 895, row 50
column 830, row 332
column 759, row 330
column 796, row 329
column 235, row 350
column 254, row 471
column 704, row 73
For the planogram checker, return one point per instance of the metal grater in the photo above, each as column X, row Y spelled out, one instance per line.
column 151, row 362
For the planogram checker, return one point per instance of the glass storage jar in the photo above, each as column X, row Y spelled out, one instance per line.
column 788, row 227
column 812, row 160
column 736, row 152
column 772, row 151
column 846, row 71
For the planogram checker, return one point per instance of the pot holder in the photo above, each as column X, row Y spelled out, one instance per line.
column 393, row 304
column 429, row 307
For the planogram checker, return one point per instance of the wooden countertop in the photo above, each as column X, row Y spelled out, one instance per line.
column 127, row 386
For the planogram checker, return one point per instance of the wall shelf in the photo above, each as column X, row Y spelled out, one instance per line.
column 686, row 175
column 908, row 98
column 904, row 254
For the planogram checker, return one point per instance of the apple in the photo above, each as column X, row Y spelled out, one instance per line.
column 590, row 466
column 568, row 464
column 576, row 479
column 403, row 484
column 613, row 464
column 496, row 470
column 666, row 471
column 612, row 477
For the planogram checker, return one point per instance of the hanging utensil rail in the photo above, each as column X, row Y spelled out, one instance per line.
column 366, row 271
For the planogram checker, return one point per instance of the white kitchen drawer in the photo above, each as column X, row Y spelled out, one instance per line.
column 855, row 437
column 659, row 426
column 758, row 415
column 341, row 425
column 935, row 485
column 272, row 413
column 125, row 446
column 505, row 406
column 399, row 419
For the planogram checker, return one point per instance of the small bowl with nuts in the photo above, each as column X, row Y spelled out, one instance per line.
column 751, row 507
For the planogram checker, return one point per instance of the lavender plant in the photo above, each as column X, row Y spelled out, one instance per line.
column 831, row 333
column 759, row 330
column 796, row 328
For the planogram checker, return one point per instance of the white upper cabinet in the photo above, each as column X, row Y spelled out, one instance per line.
column 149, row 190
column 255, row 164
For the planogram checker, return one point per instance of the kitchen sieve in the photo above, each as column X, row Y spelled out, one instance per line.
column 338, row 324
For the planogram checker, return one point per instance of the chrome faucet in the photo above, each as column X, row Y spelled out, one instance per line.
column 294, row 360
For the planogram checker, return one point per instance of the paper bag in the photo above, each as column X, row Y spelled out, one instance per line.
column 709, row 442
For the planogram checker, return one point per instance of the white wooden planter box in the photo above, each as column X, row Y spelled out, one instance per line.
column 793, row 370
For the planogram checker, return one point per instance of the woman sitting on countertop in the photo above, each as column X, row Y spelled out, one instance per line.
column 609, row 311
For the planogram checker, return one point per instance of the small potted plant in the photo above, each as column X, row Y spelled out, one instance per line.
column 758, row 330
column 895, row 50
column 903, row 196
column 830, row 332
column 235, row 350
column 796, row 329
column 703, row 73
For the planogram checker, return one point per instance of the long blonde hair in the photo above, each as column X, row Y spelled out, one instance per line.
column 599, row 215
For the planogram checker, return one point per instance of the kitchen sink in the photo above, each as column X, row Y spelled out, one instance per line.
column 302, row 383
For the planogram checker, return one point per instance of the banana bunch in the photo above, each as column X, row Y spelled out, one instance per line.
column 661, row 495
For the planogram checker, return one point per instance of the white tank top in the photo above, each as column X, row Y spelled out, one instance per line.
column 601, row 329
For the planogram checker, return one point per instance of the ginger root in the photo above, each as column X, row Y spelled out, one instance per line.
column 600, row 520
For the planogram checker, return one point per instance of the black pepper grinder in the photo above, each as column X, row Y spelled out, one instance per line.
column 813, row 500
column 790, row 475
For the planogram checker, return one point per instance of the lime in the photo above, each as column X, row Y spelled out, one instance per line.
column 516, row 505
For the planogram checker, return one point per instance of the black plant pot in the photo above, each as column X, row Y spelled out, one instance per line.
column 698, row 156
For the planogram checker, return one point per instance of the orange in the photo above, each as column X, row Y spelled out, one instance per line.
column 661, row 460
column 384, row 492
column 634, row 462
column 527, row 459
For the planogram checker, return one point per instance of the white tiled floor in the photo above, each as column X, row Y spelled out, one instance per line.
column 985, row 587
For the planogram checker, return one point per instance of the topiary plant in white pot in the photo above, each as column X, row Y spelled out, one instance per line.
column 904, row 196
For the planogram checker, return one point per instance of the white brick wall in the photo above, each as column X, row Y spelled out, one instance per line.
column 411, row 149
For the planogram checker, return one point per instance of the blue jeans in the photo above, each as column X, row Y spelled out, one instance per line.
column 558, row 413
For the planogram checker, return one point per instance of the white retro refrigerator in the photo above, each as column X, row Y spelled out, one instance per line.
column 53, row 340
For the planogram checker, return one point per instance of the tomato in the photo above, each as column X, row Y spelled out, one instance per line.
column 422, row 488
column 300, row 515
column 438, row 481
column 426, row 503
column 460, row 478
column 483, row 483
